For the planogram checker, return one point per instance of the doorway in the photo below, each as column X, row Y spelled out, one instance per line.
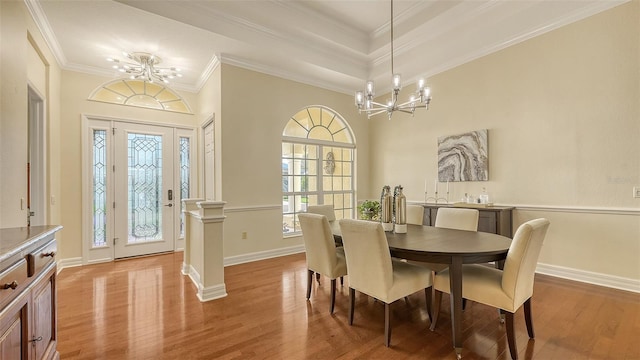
column 36, row 166
column 134, row 178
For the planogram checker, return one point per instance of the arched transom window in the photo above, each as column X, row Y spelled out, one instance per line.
column 317, row 165
column 140, row 94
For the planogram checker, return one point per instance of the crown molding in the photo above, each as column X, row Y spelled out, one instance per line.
column 37, row 14
column 211, row 67
column 281, row 73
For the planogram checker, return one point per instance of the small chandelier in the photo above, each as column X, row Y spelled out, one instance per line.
column 419, row 99
column 142, row 66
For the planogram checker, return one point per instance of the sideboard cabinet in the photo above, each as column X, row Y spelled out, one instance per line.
column 28, row 310
column 493, row 219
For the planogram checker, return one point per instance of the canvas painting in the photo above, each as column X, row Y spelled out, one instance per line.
column 463, row 157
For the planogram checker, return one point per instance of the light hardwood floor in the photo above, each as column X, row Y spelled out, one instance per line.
column 145, row 309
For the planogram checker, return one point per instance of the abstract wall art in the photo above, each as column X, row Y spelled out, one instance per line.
column 463, row 157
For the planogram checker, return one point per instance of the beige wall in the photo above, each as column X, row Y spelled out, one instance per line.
column 563, row 113
column 255, row 108
column 209, row 99
column 24, row 59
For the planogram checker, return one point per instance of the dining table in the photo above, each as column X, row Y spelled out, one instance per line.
column 446, row 246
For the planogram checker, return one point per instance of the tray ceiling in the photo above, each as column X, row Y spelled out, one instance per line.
column 332, row 44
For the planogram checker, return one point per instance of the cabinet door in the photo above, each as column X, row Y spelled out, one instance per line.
column 43, row 331
column 12, row 333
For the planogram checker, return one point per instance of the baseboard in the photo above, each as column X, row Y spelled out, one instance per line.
column 212, row 293
column 70, row 262
column 262, row 255
column 610, row 281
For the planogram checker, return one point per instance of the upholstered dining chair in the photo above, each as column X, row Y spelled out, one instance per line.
column 457, row 218
column 415, row 214
column 322, row 255
column 373, row 272
column 506, row 289
column 329, row 212
column 326, row 210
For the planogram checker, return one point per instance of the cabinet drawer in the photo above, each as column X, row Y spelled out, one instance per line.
column 13, row 280
column 42, row 257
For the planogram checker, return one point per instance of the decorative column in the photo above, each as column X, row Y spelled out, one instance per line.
column 203, row 248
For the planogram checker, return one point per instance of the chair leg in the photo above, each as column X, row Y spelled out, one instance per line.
column 352, row 302
column 511, row 338
column 464, row 304
column 387, row 325
column 528, row 319
column 436, row 309
column 318, row 278
column 309, row 282
column 341, row 280
column 427, row 296
column 333, row 295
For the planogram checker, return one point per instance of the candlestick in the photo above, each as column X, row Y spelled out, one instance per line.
column 436, row 185
column 447, row 186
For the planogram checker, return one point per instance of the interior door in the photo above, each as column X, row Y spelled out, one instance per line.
column 144, row 192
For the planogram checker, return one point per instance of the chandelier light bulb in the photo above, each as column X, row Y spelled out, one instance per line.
column 359, row 97
column 370, row 88
column 397, row 82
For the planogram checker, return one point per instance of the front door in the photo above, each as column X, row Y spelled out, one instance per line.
column 144, row 195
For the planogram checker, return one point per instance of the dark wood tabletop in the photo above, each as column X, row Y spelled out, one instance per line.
column 438, row 245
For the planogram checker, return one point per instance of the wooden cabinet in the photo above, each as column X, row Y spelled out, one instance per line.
column 494, row 219
column 28, row 311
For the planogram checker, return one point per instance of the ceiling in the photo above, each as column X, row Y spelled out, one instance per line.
column 336, row 45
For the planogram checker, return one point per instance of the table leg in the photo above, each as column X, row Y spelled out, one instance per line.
column 455, row 283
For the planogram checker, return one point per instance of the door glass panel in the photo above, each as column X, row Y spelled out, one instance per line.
column 99, row 188
column 145, row 187
column 184, row 177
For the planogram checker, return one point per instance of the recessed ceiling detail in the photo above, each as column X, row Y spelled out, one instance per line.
column 140, row 93
column 337, row 45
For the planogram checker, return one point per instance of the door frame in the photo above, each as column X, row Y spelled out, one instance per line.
column 91, row 254
column 37, row 159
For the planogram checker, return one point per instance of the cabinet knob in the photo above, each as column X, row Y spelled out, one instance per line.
column 49, row 254
column 13, row 285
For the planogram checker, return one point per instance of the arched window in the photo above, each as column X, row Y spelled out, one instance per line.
column 317, row 165
column 141, row 94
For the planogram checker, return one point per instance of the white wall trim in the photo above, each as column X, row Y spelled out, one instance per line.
column 579, row 209
column 262, row 255
column 212, row 292
column 67, row 263
column 204, row 293
column 589, row 277
column 253, row 208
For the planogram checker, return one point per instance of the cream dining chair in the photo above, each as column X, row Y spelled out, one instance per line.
column 506, row 289
column 322, row 255
column 329, row 212
column 454, row 218
column 415, row 214
column 373, row 272
column 457, row 218
column 326, row 210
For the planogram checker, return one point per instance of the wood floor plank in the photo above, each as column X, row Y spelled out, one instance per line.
column 145, row 309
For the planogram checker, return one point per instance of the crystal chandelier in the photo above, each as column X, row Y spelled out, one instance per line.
column 142, row 66
column 420, row 99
